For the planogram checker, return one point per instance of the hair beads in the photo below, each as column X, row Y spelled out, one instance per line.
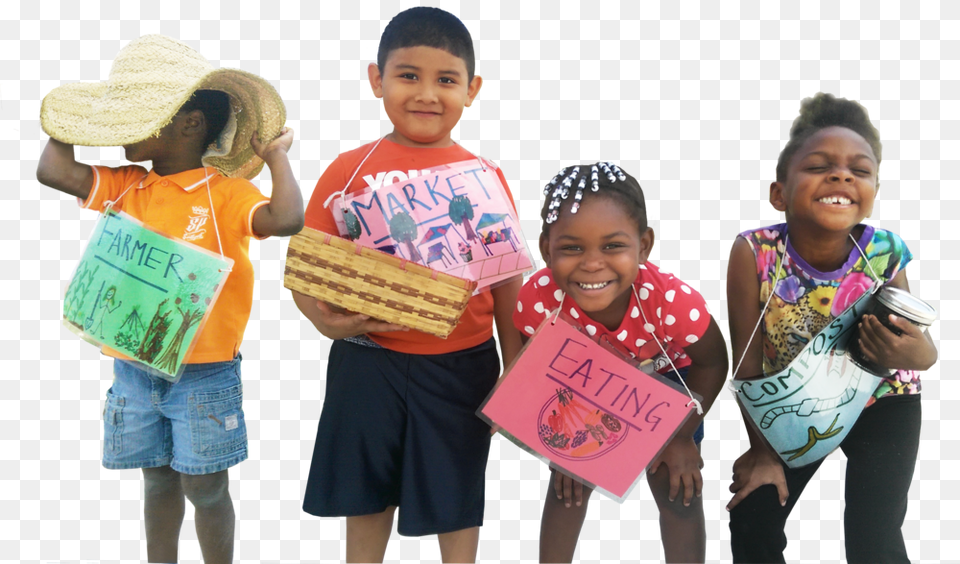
column 559, row 190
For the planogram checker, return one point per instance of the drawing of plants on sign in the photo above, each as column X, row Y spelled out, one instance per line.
column 152, row 342
column 77, row 293
column 354, row 228
column 404, row 230
column 130, row 332
column 577, row 432
column 461, row 212
column 170, row 359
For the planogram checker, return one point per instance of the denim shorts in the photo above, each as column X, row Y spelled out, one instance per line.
column 195, row 426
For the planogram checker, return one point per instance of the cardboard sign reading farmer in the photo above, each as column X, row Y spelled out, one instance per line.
column 454, row 218
column 573, row 402
column 142, row 293
column 805, row 410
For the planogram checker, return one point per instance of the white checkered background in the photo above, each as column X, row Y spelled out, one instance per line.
column 693, row 99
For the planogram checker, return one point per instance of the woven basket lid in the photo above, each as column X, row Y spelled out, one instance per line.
column 151, row 78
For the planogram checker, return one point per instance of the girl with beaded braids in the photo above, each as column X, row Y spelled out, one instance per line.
column 816, row 264
column 595, row 242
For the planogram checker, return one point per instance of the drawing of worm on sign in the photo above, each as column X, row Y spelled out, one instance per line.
column 577, row 432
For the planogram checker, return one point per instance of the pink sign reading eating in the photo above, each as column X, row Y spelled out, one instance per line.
column 590, row 413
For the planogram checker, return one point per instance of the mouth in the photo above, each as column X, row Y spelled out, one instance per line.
column 424, row 114
column 593, row 286
column 836, row 200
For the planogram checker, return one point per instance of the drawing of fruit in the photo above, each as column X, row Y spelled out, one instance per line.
column 589, row 448
column 574, row 429
column 611, row 422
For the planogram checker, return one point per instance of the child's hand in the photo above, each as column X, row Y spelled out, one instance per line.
column 755, row 468
column 282, row 143
column 909, row 351
column 342, row 324
column 567, row 488
column 683, row 462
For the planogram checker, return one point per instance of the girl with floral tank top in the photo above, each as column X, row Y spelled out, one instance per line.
column 826, row 184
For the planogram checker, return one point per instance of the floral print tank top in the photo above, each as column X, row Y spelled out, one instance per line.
column 806, row 300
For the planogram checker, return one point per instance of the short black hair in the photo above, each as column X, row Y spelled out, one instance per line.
column 215, row 106
column 627, row 193
column 427, row 27
column 822, row 111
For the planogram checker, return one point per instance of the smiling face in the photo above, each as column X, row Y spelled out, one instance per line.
column 831, row 182
column 594, row 256
column 424, row 91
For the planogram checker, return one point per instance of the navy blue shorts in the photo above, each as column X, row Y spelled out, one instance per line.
column 676, row 376
column 401, row 430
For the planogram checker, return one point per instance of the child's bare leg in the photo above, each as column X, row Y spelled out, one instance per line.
column 560, row 525
column 367, row 536
column 214, row 515
column 459, row 546
column 682, row 528
column 162, row 512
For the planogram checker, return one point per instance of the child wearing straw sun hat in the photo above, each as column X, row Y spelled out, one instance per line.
column 206, row 131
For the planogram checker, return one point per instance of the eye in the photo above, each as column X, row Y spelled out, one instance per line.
column 447, row 80
column 817, row 168
column 570, row 248
column 615, row 246
column 408, row 76
column 862, row 172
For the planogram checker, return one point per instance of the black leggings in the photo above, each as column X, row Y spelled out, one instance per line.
column 881, row 452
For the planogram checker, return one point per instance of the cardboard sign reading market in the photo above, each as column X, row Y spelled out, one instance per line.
column 454, row 218
column 142, row 293
column 805, row 410
column 575, row 403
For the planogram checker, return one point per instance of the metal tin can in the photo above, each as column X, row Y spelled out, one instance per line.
column 890, row 300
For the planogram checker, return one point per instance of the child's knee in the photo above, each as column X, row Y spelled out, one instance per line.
column 206, row 490
column 161, row 481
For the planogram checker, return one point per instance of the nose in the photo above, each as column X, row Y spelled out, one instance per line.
column 426, row 92
column 842, row 174
column 592, row 261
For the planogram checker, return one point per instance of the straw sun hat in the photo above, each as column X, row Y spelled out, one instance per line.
column 149, row 80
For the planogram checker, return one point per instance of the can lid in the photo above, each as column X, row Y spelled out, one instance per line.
column 905, row 304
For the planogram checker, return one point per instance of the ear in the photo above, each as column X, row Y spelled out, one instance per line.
column 194, row 123
column 545, row 248
column 376, row 80
column 473, row 89
column 777, row 199
column 646, row 244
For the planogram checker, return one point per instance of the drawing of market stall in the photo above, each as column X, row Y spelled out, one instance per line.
column 503, row 235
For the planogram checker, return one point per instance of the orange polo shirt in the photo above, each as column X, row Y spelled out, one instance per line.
column 385, row 165
column 178, row 206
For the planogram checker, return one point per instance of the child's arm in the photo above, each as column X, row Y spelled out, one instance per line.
column 59, row 170
column 913, row 350
column 708, row 372
column 759, row 465
column 504, row 304
column 339, row 324
column 283, row 216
